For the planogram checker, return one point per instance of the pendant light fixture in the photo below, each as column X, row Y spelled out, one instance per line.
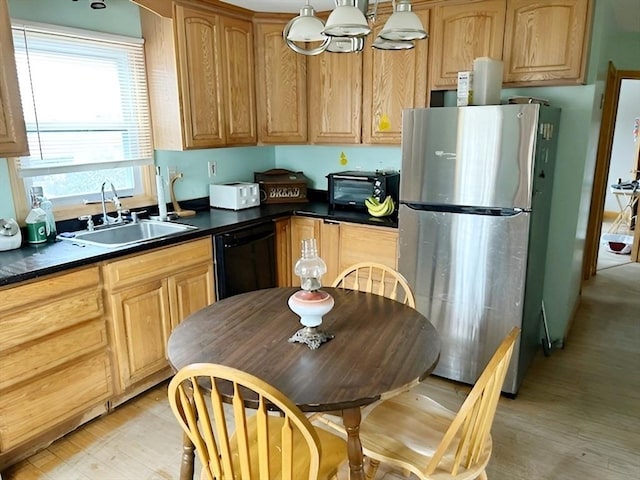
column 347, row 26
column 403, row 24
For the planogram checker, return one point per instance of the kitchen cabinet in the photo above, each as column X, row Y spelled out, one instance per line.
column 284, row 257
column 55, row 368
column 13, row 137
column 342, row 244
column 148, row 295
column 281, row 85
column 334, row 82
column 461, row 32
column 392, row 81
column 545, row 41
column 200, row 69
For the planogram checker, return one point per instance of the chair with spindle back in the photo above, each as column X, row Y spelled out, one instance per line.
column 266, row 444
column 376, row 278
column 415, row 433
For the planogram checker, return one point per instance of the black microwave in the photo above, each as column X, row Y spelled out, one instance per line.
column 351, row 188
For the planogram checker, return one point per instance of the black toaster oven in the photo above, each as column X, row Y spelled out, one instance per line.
column 351, row 188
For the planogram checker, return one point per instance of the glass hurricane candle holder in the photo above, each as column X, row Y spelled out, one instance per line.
column 310, row 303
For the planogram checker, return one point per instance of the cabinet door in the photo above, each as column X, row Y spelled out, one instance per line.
column 393, row 81
column 545, row 41
column 460, row 33
column 281, row 85
column 239, row 91
column 335, row 98
column 301, row 229
column 284, row 267
column 13, row 138
column 142, row 321
column 330, row 250
column 190, row 291
column 200, row 77
column 360, row 243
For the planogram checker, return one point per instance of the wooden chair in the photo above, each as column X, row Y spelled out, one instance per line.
column 266, row 444
column 418, row 435
column 378, row 279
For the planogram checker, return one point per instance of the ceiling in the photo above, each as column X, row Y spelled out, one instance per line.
column 626, row 12
column 286, row 6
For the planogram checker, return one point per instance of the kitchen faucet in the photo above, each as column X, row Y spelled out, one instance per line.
column 106, row 219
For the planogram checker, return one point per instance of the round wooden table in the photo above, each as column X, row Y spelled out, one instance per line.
column 380, row 347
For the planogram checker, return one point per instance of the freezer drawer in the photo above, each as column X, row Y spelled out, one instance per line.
column 468, row 274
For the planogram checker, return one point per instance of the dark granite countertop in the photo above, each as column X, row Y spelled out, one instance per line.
column 33, row 261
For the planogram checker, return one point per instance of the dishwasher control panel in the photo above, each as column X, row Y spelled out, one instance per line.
column 234, row 195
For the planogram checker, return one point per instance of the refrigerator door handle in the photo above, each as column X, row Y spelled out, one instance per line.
column 467, row 210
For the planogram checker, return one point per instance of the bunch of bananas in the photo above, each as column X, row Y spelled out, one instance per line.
column 380, row 209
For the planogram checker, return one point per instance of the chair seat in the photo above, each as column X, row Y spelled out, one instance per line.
column 333, row 451
column 406, row 430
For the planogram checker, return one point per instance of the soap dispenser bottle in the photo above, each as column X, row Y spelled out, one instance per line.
column 36, row 220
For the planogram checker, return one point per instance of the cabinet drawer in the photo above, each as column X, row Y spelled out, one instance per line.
column 43, row 289
column 42, row 403
column 50, row 316
column 30, row 360
column 157, row 263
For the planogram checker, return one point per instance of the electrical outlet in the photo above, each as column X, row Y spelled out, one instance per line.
column 213, row 168
column 172, row 171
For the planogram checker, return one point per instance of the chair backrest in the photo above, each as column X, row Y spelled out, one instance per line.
column 467, row 435
column 378, row 279
column 263, row 443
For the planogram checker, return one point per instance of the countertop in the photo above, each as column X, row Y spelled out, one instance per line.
column 33, row 261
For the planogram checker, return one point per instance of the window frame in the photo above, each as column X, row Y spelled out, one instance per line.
column 70, row 211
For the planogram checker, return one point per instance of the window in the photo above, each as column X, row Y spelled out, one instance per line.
column 85, row 104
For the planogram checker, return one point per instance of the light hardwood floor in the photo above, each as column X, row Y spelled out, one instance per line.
column 576, row 417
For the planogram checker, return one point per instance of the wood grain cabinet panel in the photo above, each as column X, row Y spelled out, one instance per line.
column 281, row 86
column 239, row 91
column 148, row 295
column 335, row 98
column 393, row 81
column 13, row 137
column 200, row 72
column 284, row 258
column 360, row 243
column 55, row 368
column 545, row 41
column 460, row 33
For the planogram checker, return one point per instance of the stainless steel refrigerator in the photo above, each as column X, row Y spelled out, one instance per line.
column 475, row 195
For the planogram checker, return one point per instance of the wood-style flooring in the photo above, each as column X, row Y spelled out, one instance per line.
column 576, row 417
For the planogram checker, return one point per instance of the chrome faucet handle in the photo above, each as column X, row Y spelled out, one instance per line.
column 135, row 215
column 89, row 219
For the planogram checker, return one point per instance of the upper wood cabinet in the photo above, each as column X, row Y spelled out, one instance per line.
column 334, row 84
column 392, row 81
column 546, row 41
column 281, row 85
column 13, row 138
column 460, row 33
column 200, row 70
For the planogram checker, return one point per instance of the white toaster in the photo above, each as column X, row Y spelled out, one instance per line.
column 234, row 195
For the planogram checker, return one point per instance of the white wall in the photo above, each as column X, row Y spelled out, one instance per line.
column 623, row 149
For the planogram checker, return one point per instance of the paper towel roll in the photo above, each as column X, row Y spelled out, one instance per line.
column 487, row 81
column 162, row 203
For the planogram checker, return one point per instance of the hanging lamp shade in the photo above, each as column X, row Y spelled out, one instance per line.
column 403, row 24
column 384, row 44
column 305, row 28
column 346, row 20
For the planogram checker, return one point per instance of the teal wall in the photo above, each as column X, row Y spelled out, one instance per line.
column 579, row 128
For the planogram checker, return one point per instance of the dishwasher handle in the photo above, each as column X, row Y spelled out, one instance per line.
column 246, row 236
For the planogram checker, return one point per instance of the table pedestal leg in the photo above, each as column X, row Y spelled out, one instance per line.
column 351, row 420
column 188, row 458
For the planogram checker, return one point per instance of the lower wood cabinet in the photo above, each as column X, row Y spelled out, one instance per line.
column 342, row 244
column 148, row 295
column 55, row 368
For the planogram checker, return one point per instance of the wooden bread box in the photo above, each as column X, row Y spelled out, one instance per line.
column 279, row 185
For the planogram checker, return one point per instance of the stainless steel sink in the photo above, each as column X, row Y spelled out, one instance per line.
column 130, row 233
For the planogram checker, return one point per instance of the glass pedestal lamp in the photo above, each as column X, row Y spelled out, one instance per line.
column 310, row 303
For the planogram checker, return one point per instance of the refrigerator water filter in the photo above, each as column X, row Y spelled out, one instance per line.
column 487, row 81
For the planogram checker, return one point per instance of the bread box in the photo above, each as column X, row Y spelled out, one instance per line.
column 279, row 185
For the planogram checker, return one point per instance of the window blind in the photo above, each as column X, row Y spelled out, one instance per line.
column 84, row 98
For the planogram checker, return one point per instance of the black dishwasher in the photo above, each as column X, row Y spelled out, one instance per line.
column 245, row 260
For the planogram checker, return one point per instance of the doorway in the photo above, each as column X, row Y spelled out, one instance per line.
column 601, row 174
